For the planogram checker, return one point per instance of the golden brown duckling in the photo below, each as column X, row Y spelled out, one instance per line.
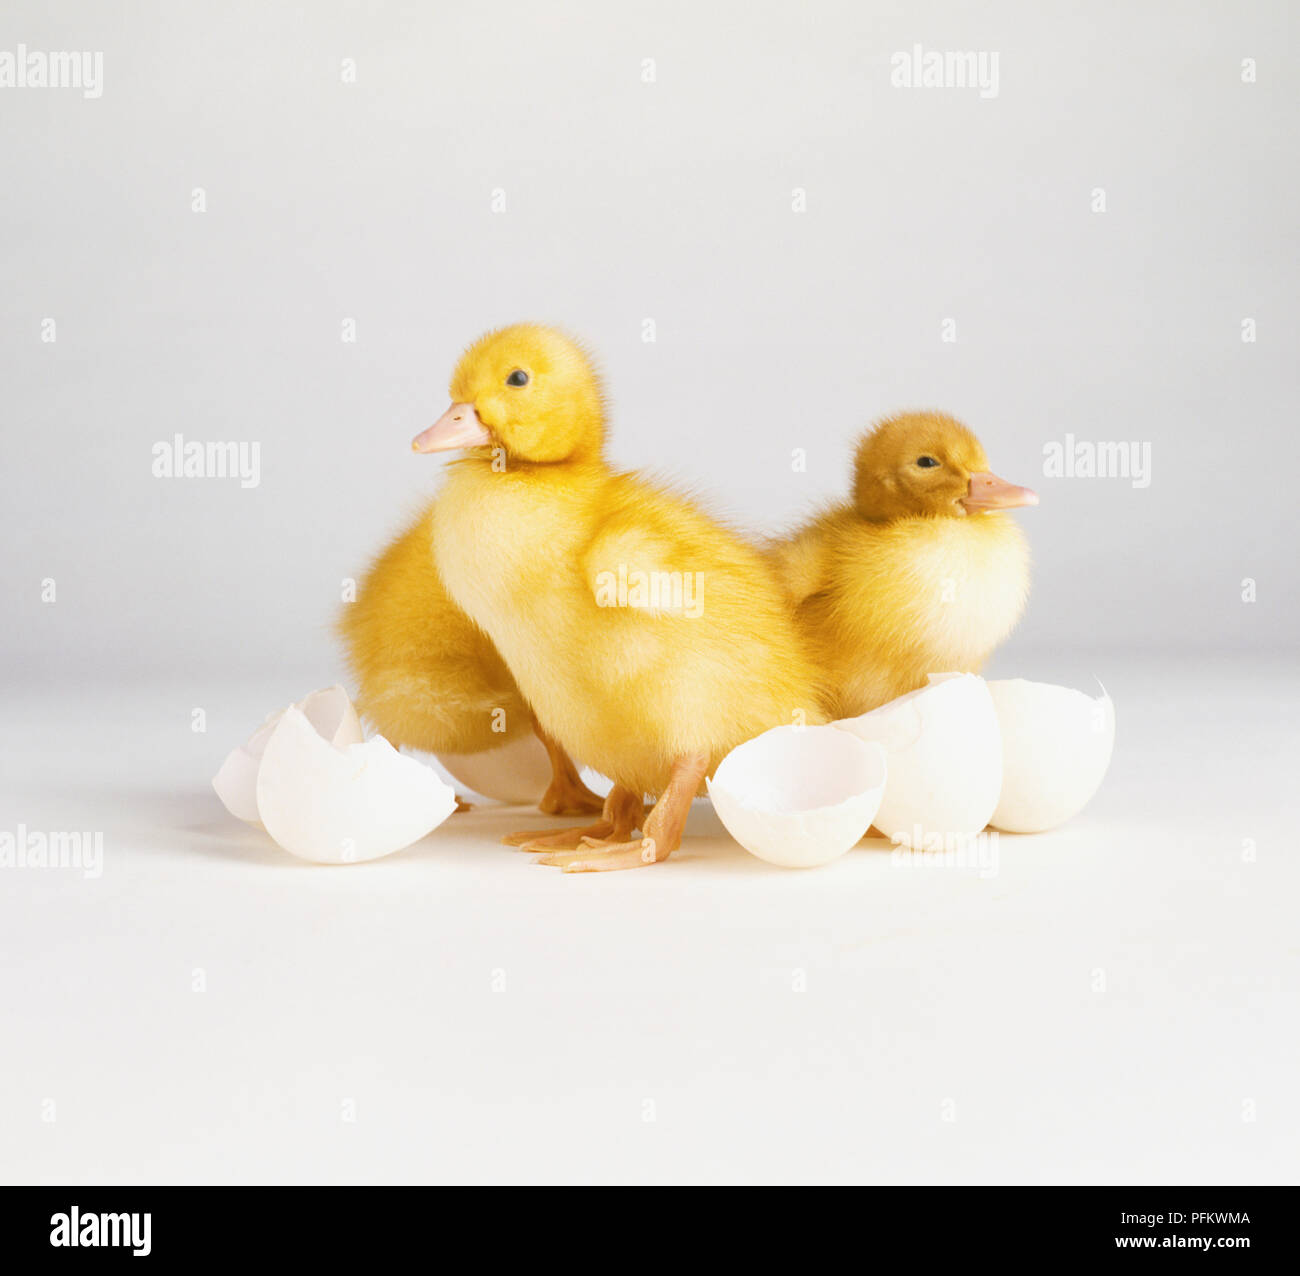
column 649, row 639
column 429, row 678
column 922, row 573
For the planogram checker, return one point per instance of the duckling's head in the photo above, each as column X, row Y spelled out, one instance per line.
column 528, row 389
column 926, row 464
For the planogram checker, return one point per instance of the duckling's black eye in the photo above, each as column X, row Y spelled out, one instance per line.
column 517, row 377
column 926, row 462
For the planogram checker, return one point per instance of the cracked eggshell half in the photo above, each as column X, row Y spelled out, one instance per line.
column 344, row 805
column 1056, row 746
column 329, row 711
column 945, row 760
column 518, row 772
column 799, row 796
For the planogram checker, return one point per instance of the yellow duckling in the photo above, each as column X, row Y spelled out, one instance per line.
column 923, row 572
column 429, row 678
column 648, row 639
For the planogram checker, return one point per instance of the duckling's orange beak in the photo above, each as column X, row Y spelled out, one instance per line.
column 988, row 492
column 458, row 427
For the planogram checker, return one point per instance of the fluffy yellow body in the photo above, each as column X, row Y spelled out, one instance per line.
column 427, row 676
column 639, row 629
column 881, row 605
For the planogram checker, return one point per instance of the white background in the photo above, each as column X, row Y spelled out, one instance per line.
column 627, row 201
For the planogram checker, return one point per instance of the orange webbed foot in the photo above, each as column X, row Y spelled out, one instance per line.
column 566, row 794
column 604, row 855
column 569, row 799
column 663, row 827
column 622, row 813
column 560, row 840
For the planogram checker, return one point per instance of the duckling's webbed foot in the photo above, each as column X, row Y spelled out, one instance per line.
column 663, row 828
column 603, row 855
column 566, row 795
column 623, row 812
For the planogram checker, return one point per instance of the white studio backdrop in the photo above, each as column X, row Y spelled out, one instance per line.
column 280, row 227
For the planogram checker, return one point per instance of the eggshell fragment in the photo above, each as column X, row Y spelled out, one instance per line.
column 1056, row 746
column 799, row 796
column 945, row 760
column 329, row 711
column 516, row 772
column 344, row 805
column 236, row 781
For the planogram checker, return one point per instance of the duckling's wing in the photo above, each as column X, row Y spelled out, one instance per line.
column 649, row 548
column 802, row 564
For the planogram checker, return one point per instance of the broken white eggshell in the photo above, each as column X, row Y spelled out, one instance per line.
column 1056, row 746
column 344, row 805
column 945, row 760
column 799, row 796
column 518, row 772
column 329, row 711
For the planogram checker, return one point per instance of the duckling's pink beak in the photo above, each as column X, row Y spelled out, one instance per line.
column 458, row 427
column 988, row 492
